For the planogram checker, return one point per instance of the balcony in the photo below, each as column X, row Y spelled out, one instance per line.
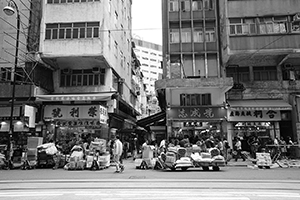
column 220, row 83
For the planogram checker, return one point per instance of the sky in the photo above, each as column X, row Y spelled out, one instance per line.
column 146, row 20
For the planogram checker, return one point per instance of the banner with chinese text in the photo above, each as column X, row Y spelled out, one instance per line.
column 75, row 112
column 197, row 113
column 254, row 115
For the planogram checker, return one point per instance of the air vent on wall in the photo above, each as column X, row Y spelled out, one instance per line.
column 67, row 71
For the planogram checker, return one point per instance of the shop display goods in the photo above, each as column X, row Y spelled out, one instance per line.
column 183, row 160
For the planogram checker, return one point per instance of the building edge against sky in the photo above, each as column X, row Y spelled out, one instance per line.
column 150, row 57
column 83, row 64
column 204, row 51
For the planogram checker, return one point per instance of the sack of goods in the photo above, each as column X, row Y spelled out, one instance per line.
column 98, row 145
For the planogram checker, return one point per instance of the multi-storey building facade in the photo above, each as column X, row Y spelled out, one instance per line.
column 92, row 57
column 230, row 69
column 26, row 76
column 150, row 57
column 261, row 51
column 194, row 84
column 86, row 76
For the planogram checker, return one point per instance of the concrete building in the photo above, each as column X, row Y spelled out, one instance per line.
column 83, row 68
column 150, row 57
column 260, row 47
column 91, row 54
column 28, row 73
column 194, row 85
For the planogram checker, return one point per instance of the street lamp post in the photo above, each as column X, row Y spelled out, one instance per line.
column 10, row 10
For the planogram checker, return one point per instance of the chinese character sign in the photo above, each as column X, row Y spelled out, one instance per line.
column 74, row 112
column 196, row 113
column 254, row 115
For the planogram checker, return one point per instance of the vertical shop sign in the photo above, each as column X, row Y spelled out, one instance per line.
column 103, row 115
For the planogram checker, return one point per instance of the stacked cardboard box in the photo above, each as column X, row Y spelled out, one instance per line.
column 32, row 144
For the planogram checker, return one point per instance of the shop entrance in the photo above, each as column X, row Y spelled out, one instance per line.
column 247, row 131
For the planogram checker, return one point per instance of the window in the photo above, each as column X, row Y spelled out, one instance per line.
column 242, row 26
column 198, row 35
column 208, row 4
column 210, row 35
column 195, row 99
column 174, row 36
column 185, row 5
column 241, row 72
column 296, row 27
column 153, row 60
column 173, row 5
column 186, row 35
column 269, row 25
column 69, row 1
column 265, row 73
column 78, row 77
column 5, row 74
column 196, row 5
column 116, row 49
column 72, row 30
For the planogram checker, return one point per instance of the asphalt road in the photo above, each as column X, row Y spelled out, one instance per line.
column 230, row 183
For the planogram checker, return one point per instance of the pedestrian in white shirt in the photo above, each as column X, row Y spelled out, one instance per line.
column 117, row 153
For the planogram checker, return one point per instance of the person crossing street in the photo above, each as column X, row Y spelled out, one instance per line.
column 117, row 153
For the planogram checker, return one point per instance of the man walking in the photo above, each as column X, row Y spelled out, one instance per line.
column 117, row 153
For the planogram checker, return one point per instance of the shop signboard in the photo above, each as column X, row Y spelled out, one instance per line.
column 196, row 113
column 75, row 112
column 253, row 115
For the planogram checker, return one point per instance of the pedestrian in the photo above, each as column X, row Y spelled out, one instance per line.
column 289, row 144
column 283, row 149
column 135, row 148
column 238, row 148
column 117, row 153
column 125, row 149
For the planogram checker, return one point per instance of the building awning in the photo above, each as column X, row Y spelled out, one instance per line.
column 103, row 96
column 255, row 104
column 151, row 119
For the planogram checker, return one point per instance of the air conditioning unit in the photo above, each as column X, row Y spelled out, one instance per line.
column 297, row 18
column 288, row 66
column 96, row 70
column 67, row 71
column 121, row 80
column 292, row 75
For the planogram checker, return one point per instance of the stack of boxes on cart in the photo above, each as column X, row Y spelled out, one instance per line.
column 97, row 157
column 147, row 161
column 32, row 152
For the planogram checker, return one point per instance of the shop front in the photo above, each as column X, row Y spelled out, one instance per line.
column 70, row 123
column 261, row 119
column 23, row 122
column 196, row 122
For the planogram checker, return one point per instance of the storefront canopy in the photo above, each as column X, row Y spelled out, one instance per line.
column 151, row 119
column 103, row 96
column 254, row 104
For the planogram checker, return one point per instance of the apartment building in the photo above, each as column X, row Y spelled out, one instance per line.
column 194, row 84
column 91, row 54
column 20, row 71
column 150, row 57
column 81, row 68
column 260, row 45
